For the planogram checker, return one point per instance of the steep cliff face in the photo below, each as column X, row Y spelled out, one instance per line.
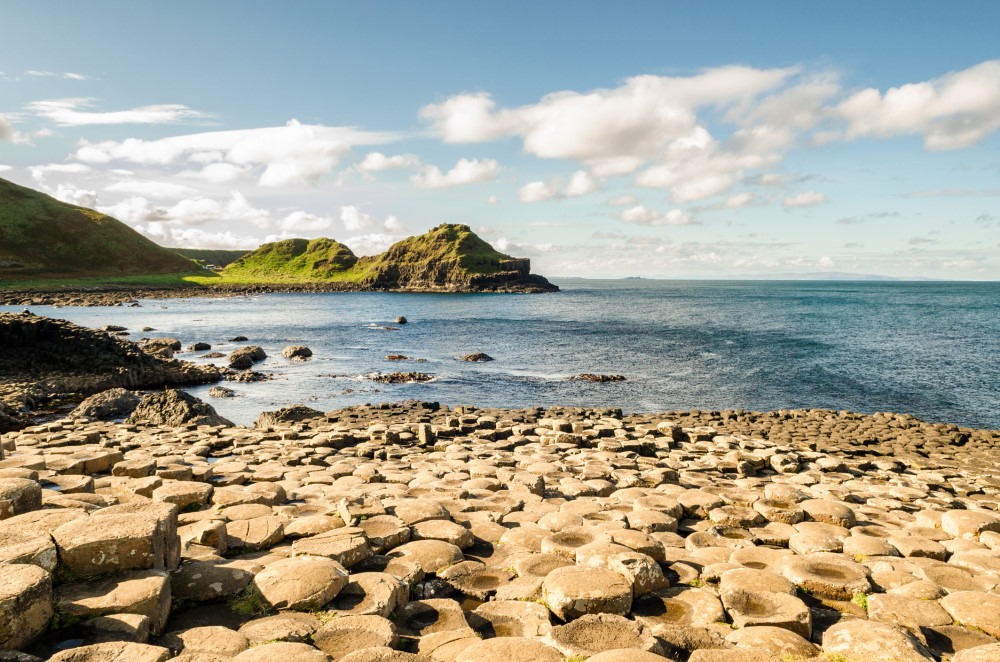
column 41, row 237
column 448, row 258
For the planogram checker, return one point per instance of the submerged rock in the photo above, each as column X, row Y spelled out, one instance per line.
column 477, row 357
column 591, row 377
column 400, row 377
column 296, row 352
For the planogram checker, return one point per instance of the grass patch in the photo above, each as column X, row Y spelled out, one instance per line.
column 249, row 602
column 861, row 600
column 61, row 620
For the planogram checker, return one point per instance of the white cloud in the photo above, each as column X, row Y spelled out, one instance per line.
column 394, row 225
column 215, row 173
column 739, row 200
column 806, row 199
column 492, row 200
column 72, row 112
column 40, row 172
column 291, row 154
column 536, row 192
column 371, row 244
column 75, row 196
column 377, row 162
column 612, row 130
column 306, row 223
column 182, row 237
column 354, row 219
column 190, row 212
column 641, row 215
column 623, row 201
column 580, row 183
column 151, row 189
column 9, row 134
column 35, row 73
column 5, row 168
column 466, row 171
column 954, row 111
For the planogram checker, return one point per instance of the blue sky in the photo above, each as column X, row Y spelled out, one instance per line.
column 659, row 139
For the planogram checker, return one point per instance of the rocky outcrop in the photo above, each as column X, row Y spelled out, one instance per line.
column 108, row 405
column 42, row 358
column 449, row 258
column 291, row 414
column 176, row 408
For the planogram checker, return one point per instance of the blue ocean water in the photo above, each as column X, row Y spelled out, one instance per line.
column 929, row 349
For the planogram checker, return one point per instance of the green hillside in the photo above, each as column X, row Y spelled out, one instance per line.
column 43, row 238
column 219, row 257
column 449, row 257
column 294, row 260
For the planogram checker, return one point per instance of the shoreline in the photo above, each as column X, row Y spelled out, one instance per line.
column 111, row 295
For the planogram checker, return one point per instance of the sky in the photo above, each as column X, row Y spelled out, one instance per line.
column 602, row 140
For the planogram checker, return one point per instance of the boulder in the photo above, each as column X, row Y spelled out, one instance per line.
column 126, row 539
column 108, row 405
column 477, row 357
column 574, row 591
column 346, row 545
column 206, row 640
column 506, row 649
column 301, row 583
column 346, row 634
column 245, row 357
column 19, row 495
column 752, row 608
column 868, row 640
column 285, row 651
column 595, row 633
column 290, row 414
column 146, row 593
column 827, row 575
column 300, row 352
column 207, row 581
column 113, row 651
column 369, row 594
column 975, row 609
column 783, row 643
column 25, row 605
column 27, row 544
column 987, row 653
column 429, row 555
column 175, row 408
column 287, row 626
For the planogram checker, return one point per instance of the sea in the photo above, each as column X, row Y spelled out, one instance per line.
column 931, row 349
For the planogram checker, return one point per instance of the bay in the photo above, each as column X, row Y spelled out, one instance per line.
column 931, row 349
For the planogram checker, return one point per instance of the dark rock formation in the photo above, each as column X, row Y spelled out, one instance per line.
column 290, row 414
column 477, row 357
column 590, row 377
column 42, row 358
column 176, row 408
column 108, row 405
column 400, row 377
